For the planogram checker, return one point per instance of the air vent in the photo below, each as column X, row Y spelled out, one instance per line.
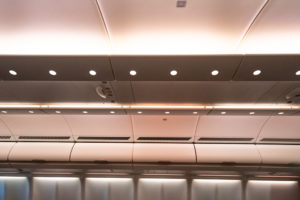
column 4, row 137
column 181, row 3
column 165, row 138
column 279, row 140
column 44, row 137
column 103, row 138
column 226, row 139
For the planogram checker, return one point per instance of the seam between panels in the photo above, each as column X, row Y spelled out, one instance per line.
column 252, row 23
column 133, row 137
column 10, row 131
column 70, row 155
column 195, row 132
column 261, row 128
column 261, row 159
column 268, row 90
column 9, row 152
column 70, row 129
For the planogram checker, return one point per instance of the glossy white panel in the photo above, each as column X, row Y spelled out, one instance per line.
column 177, row 153
column 281, row 127
column 227, row 153
column 162, row 189
column 37, row 125
column 109, row 189
column 230, row 127
column 42, row 151
column 159, row 27
column 276, row 29
column 5, row 148
column 279, row 154
column 164, row 126
column 110, row 152
column 208, row 189
column 272, row 190
column 100, row 125
column 51, row 27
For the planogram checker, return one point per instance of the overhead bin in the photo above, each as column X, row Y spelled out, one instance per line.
column 5, row 148
column 164, row 153
column 102, row 152
column 227, row 153
column 229, row 129
column 281, row 129
column 279, row 154
column 164, row 128
column 40, row 151
column 38, row 127
column 101, row 128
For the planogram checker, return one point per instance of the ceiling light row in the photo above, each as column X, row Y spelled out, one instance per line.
column 213, row 73
column 252, row 113
column 52, row 72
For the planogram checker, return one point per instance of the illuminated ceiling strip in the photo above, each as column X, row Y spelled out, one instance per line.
column 150, row 106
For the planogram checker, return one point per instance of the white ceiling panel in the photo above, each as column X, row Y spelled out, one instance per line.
column 159, row 27
column 276, row 29
column 51, row 27
column 36, row 126
column 5, row 148
column 279, row 154
column 229, row 129
column 101, row 127
column 5, row 133
column 164, row 128
column 281, row 129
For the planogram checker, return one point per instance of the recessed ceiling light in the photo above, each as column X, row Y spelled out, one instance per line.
column 92, row 72
column 31, row 111
column 13, row 72
column 139, row 112
column 4, row 111
column 84, row 112
column 298, row 73
column 173, row 72
column 52, row 72
column 167, row 112
column 195, row 113
column 58, row 112
column 215, row 72
column 251, row 113
column 280, row 113
column 132, row 72
column 257, row 72
column 223, row 113
column 112, row 112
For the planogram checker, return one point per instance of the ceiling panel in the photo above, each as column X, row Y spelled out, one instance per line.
column 272, row 67
column 51, row 27
column 164, row 128
column 189, row 68
column 51, row 91
column 275, row 30
column 37, row 127
column 199, row 92
column 5, row 133
column 279, row 128
column 105, row 128
column 159, row 27
column 229, row 129
column 67, row 68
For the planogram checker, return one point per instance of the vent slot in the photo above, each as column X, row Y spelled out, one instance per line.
column 5, row 137
column 165, row 138
column 226, row 139
column 279, row 140
column 44, row 137
column 103, row 138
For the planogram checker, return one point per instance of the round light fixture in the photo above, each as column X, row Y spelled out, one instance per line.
column 173, row 72
column 223, row 113
column 280, row 113
column 132, row 72
column 52, row 72
column 167, row 112
column 257, row 72
column 297, row 73
column 31, row 111
column 251, row 113
column 58, row 112
column 13, row 72
column 195, row 113
column 4, row 111
column 215, row 72
column 92, row 72
column 139, row 112
column 84, row 112
column 112, row 112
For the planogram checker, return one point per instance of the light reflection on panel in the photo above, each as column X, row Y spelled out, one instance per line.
column 109, row 189
column 162, row 189
column 56, row 188
column 272, row 190
column 211, row 189
column 14, row 188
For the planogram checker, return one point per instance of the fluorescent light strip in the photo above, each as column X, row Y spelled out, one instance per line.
column 151, row 106
column 272, row 182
